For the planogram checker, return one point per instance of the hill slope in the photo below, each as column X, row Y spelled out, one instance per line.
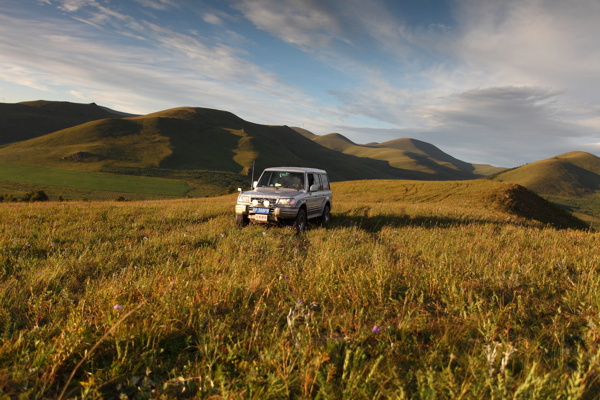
column 93, row 138
column 408, row 154
column 189, row 138
column 457, row 197
column 574, row 174
column 26, row 120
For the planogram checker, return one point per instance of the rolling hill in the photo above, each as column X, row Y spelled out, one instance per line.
column 408, row 154
column 189, row 138
column 27, row 120
column 212, row 152
column 454, row 196
column 571, row 180
column 574, row 174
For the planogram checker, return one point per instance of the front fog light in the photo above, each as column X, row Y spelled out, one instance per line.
column 266, row 203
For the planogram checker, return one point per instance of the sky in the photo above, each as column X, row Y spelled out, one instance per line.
column 494, row 82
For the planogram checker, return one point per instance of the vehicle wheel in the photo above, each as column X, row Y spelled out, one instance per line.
column 326, row 217
column 300, row 222
column 242, row 220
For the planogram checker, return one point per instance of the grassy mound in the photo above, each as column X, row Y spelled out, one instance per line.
column 574, row 174
column 456, row 197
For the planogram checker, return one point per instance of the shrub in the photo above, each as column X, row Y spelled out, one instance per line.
column 36, row 195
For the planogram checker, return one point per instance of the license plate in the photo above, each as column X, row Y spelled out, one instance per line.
column 259, row 210
column 261, row 217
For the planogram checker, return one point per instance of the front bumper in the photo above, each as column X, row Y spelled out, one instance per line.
column 275, row 213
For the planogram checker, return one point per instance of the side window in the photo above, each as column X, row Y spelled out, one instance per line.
column 318, row 181
column 325, row 182
column 315, row 180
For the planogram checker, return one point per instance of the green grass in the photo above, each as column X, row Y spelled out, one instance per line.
column 574, row 174
column 91, row 180
column 188, row 138
column 586, row 208
column 409, row 293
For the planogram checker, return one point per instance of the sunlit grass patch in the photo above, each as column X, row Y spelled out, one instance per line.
column 396, row 298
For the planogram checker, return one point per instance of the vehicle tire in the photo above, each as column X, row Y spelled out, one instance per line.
column 326, row 217
column 242, row 220
column 300, row 221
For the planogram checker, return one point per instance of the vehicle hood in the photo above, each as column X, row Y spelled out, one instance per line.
column 273, row 192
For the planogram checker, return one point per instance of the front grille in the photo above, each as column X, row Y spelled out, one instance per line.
column 261, row 201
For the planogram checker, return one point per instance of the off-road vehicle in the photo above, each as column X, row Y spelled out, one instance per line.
column 290, row 195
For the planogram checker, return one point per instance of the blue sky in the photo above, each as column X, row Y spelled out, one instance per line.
column 499, row 82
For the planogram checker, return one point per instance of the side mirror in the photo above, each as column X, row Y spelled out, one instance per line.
column 314, row 187
column 240, row 190
column 255, row 184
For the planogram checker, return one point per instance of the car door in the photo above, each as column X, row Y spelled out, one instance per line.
column 315, row 200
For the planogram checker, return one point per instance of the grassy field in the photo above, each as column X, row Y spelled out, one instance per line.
column 91, row 180
column 419, row 290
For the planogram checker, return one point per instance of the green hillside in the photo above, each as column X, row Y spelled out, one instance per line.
column 574, row 174
column 188, row 138
column 571, row 180
column 92, row 181
column 26, row 120
column 407, row 154
column 212, row 152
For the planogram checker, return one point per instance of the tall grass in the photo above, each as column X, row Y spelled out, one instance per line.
column 429, row 299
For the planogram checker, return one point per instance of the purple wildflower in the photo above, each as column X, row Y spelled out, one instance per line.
column 118, row 307
column 376, row 329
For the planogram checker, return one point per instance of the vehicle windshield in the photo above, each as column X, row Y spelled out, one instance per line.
column 282, row 179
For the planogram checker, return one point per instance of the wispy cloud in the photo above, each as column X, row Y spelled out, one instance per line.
column 212, row 19
column 309, row 24
column 165, row 69
column 159, row 4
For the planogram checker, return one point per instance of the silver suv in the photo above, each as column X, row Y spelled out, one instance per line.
column 286, row 194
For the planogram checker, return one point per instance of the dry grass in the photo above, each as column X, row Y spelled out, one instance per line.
column 399, row 297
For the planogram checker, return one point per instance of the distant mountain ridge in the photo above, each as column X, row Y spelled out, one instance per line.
column 214, row 151
column 93, row 138
column 30, row 119
column 408, row 154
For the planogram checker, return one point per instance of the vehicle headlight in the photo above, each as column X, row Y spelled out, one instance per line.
column 286, row 201
column 266, row 203
column 243, row 199
column 254, row 202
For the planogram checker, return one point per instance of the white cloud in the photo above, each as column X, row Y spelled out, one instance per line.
column 158, row 4
column 19, row 75
column 176, row 70
column 541, row 42
column 308, row 24
column 74, row 5
column 212, row 19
